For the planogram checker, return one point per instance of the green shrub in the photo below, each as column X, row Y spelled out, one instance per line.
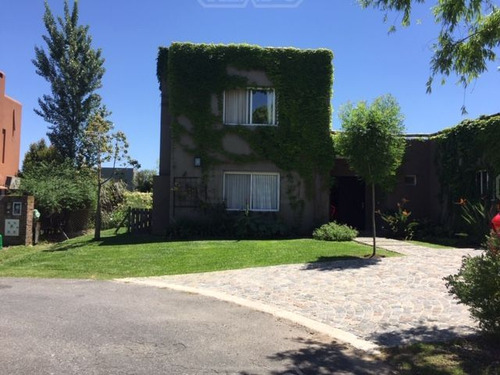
column 216, row 222
column 59, row 190
column 476, row 219
column 143, row 180
column 136, row 199
column 258, row 225
column 112, row 196
column 334, row 232
column 399, row 224
column 118, row 200
column 477, row 285
column 200, row 228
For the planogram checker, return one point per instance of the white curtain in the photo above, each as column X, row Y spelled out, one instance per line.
column 270, row 109
column 264, row 192
column 235, row 107
column 237, row 188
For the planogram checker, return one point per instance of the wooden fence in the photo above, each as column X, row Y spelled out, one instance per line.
column 139, row 220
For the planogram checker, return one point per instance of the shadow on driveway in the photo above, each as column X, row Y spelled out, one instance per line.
column 340, row 263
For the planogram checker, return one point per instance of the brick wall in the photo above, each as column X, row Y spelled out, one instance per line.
column 16, row 220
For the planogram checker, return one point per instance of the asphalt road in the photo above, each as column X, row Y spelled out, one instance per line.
column 96, row 327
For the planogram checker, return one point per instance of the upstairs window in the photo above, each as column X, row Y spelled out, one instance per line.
column 253, row 106
column 251, row 191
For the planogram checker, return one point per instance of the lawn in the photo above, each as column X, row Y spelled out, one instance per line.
column 432, row 245
column 459, row 357
column 125, row 255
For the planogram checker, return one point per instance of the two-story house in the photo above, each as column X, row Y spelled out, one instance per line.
column 245, row 128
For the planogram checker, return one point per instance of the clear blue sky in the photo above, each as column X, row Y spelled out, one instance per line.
column 368, row 62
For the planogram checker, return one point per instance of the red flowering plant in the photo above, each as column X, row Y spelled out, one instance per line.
column 399, row 223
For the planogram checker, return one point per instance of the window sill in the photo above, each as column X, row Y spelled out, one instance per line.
column 231, row 124
column 242, row 210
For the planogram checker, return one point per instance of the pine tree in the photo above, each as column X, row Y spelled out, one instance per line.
column 74, row 70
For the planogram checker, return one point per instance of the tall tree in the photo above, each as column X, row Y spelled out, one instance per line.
column 74, row 71
column 143, row 180
column 39, row 152
column 373, row 143
column 469, row 36
column 58, row 187
column 102, row 146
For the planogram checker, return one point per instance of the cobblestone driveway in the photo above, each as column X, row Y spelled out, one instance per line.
column 387, row 301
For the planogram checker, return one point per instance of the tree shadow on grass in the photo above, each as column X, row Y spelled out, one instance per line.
column 340, row 263
column 65, row 246
column 437, row 351
column 420, row 334
column 316, row 358
column 119, row 239
column 143, row 238
column 130, row 239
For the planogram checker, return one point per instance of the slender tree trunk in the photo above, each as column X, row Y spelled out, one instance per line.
column 97, row 229
column 374, row 227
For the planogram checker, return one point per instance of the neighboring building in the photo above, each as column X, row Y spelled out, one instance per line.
column 439, row 172
column 416, row 182
column 125, row 175
column 247, row 128
column 10, row 136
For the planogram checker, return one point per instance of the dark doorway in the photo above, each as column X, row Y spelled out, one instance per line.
column 347, row 201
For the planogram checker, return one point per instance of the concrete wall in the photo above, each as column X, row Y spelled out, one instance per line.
column 16, row 220
column 120, row 174
column 10, row 133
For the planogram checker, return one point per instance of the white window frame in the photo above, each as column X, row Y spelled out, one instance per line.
column 278, row 197
column 249, row 103
column 480, row 181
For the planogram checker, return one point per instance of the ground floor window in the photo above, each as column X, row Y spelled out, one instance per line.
column 251, row 191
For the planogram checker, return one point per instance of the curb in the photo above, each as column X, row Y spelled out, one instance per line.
column 335, row 333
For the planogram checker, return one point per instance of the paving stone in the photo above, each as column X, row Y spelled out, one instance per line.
column 388, row 301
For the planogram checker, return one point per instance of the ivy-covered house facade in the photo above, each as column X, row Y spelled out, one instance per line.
column 246, row 130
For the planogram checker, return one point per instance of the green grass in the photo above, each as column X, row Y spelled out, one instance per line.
column 129, row 256
column 430, row 244
column 459, row 357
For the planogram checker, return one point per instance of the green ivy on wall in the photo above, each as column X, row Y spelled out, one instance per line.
column 302, row 80
column 465, row 149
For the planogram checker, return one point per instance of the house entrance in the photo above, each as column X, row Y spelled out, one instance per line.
column 347, row 201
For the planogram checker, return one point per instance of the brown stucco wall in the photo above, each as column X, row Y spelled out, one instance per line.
column 422, row 199
column 10, row 133
column 25, row 219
